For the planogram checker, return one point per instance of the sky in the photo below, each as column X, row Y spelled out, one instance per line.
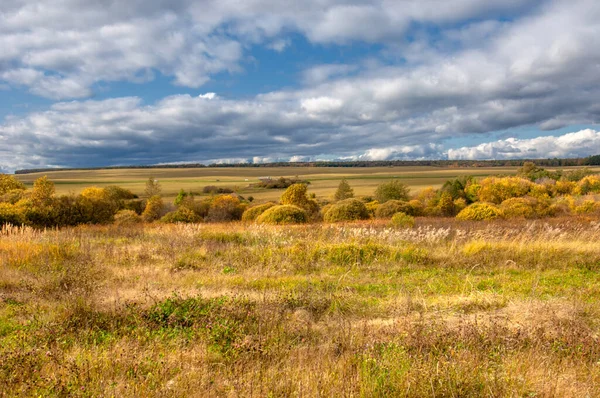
column 88, row 83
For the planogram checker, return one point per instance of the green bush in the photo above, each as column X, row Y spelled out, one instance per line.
column 392, row 190
column 182, row 215
column 347, row 210
column 403, row 220
column 253, row 212
column 479, row 212
column 283, row 214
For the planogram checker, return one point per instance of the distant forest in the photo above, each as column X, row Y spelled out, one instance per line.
column 588, row 161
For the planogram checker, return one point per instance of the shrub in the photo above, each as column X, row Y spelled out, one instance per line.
column 11, row 214
column 403, row 220
column 564, row 187
column 372, row 207
column 296, row 195
column 283, row 214
column 344, row 191
column 181, row 215
column 214, row 190
column 392, row 190
column 280, row 183
column 446, row 205
column 460, row 204
column 119, row 193
column 225, row 208
column 13, row 196
column 253, row 212
column 9, row 183
column 456, row 187
column 154, row 209
column 135, row 205
column 127, row 217
column 519, row 207
column 479, row 212
column 391, row 207
column 589, row 184
column 347, row 210
column 181, row 196
column 100, row 206
column 497, row 190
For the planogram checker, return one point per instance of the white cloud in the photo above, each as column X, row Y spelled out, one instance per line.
column 578, row 144
column 540, row 70
column 76, row 43
column 208, row 96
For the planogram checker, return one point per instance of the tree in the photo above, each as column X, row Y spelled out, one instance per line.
column 153, row 187
column 180, row 197
column 43, row 192
column 344, row 191
column 392, row 190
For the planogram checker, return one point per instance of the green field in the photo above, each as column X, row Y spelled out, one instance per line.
column 324, row 180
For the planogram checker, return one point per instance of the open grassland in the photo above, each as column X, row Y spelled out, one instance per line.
column 324, row 180
column 444, row 309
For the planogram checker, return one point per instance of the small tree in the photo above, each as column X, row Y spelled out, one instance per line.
column 392, row 190
column 344, row 191
column 153, row 187
column 180, row 197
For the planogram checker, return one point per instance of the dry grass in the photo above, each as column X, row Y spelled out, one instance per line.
column 447, row 308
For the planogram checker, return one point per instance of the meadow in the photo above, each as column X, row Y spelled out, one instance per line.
column 483, row 287
column 323, row 180
column 447, row 308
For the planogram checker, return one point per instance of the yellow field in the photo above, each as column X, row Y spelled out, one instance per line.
column 324, row 180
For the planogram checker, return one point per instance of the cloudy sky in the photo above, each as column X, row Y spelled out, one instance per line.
column 112, row 82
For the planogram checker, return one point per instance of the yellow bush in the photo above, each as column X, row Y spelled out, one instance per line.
column 460, row 204
column 11, row 214
column 372, row 207
column 497, row 190
column 296, row 195
column 403, row 220
column 154, row 209
column 480, row 212
column 589, row 184
column 564, row 187
column 253, row 212
column 225, row 208
column 518, row 207
column 283, row 214
column 9, row 183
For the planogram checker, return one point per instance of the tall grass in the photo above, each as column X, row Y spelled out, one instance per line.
column 447, row 308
